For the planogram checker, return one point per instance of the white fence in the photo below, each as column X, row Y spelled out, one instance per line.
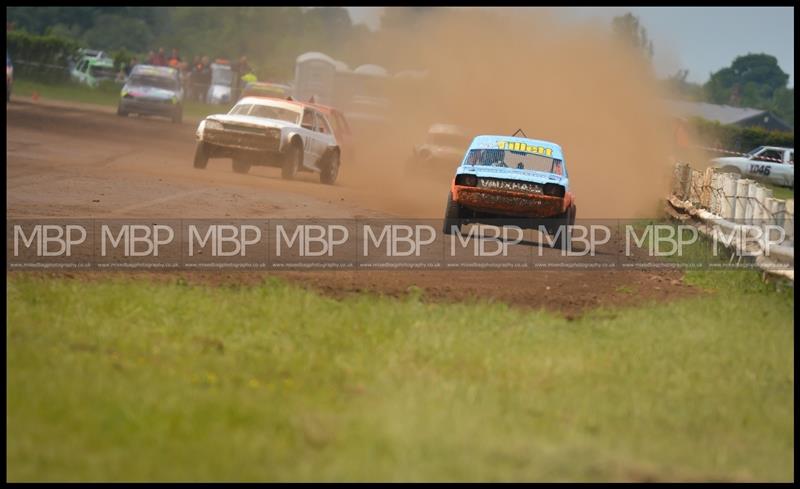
column 726, row 201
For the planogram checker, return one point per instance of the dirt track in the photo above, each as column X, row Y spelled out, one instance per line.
column 81, row 162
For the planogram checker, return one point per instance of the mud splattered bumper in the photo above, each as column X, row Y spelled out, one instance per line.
column 507, row 202
column 242, row 140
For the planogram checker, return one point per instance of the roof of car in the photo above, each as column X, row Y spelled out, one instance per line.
column 100, row 61
column 537, row 146
column 275, row 102
column 153, row 70
column 296, row 103
column 777, row 147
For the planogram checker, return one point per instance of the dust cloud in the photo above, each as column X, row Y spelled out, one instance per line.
column 494, row 72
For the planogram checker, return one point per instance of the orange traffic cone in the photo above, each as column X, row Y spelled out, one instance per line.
column 35, row 96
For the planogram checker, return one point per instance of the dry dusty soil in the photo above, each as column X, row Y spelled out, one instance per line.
column 73, row 161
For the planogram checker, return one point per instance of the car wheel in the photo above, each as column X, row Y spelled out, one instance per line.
column 241, row 165
column 452, row 217
column 291, row 161
column 731, row 169
column 201, row 154
column 177, row 115
column 330, row 169
column 120, row 112
column 563, row 239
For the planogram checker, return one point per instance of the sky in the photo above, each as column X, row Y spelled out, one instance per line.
column 700, row 39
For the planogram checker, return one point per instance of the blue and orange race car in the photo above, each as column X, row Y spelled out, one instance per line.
column 509, row 180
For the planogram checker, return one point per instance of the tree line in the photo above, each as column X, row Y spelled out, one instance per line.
column 273, row 37
column 752, row 80
column 217, row 32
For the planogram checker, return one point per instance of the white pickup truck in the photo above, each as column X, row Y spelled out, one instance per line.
column 770, row 163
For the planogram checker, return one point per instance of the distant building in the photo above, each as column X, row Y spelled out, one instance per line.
column 726, row 114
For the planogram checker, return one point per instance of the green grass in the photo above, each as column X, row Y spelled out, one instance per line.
column 104, row 96
column 781, row 192
column 127, row 380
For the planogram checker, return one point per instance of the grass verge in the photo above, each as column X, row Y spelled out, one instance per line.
column 104, row 96
column 130, row 380
column 781, row 192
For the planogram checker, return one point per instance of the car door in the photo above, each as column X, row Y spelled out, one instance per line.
column 782, row 173
column 317, row 142
column 763, row 165
column 77, row 73
column 325, row 137
column 89, row 77
column 307, row 133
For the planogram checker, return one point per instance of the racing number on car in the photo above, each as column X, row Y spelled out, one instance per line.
column 760, row 169
column 514, row 146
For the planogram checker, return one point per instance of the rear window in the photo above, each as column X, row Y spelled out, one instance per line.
column 266, row 111
column 514, row 159
column 154, row 81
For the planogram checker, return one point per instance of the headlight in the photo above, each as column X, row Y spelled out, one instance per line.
column 554, row 190
column 212, row 124
column 467, row 180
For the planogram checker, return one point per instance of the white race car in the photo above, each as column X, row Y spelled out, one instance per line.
column 770, row 163
column 271, row 132
column 444, row 145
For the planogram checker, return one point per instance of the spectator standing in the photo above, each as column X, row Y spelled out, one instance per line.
column 129, row 67
column 205, row 77
column 174, row 60
column 160, row 59
column 184, row 68
column 194, row 78
column 239, row 69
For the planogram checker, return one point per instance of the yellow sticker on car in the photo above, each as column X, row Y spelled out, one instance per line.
column 515, row 146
